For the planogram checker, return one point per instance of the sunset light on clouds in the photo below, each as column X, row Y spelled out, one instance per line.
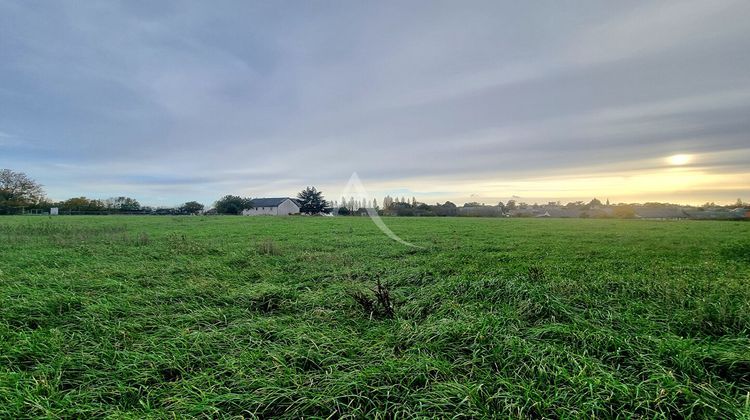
column 635, row 101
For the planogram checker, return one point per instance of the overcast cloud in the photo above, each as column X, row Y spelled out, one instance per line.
column 173, row 101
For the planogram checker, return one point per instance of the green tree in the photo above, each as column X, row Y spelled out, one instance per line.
column 624, row 212
column 594, row 203
column 343, row 211
column 402, row 209
column 191, row 207
column 232, row 204
column 122, row 204
column 18, row 190
column 312, row 201
column 81, row 204
column 445, row 209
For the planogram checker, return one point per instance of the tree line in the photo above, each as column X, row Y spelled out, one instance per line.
column 20, row 194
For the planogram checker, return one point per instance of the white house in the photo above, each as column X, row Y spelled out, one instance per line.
column 283, row 206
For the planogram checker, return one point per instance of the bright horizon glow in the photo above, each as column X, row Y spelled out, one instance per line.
column 674, row 185
column 679, row 160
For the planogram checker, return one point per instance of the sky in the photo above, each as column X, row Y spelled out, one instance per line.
column 172, row 101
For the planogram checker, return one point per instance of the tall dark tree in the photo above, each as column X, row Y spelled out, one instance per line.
column 232, row 204
column 18, row 190
column 312, row 202
column 191, row 207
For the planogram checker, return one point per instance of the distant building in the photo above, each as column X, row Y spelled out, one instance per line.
column 719, row 214
column 283, row 206
column 662, row 212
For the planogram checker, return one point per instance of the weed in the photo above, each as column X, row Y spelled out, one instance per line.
column 536, row 273
column 269, row 247
column 379, row 305
column 142, row 239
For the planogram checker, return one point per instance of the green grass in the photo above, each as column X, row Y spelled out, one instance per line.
column 237, row 316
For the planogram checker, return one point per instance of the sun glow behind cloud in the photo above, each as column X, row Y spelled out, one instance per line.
column 679, row 160
column 654, row 182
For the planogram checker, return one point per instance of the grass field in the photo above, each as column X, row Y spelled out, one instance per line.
column 231, row 316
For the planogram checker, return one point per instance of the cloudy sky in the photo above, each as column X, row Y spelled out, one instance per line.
column 467, row 101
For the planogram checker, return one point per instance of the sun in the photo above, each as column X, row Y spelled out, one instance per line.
column 678, row 160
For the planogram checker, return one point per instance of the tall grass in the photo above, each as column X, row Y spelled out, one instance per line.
column 198, row 317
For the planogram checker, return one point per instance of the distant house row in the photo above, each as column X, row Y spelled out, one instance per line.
column 638, row 212
column 285, row 206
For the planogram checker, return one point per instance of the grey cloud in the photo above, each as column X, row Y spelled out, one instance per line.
column 180, row 98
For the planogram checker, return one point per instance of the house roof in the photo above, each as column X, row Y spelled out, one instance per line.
column 271, row 202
